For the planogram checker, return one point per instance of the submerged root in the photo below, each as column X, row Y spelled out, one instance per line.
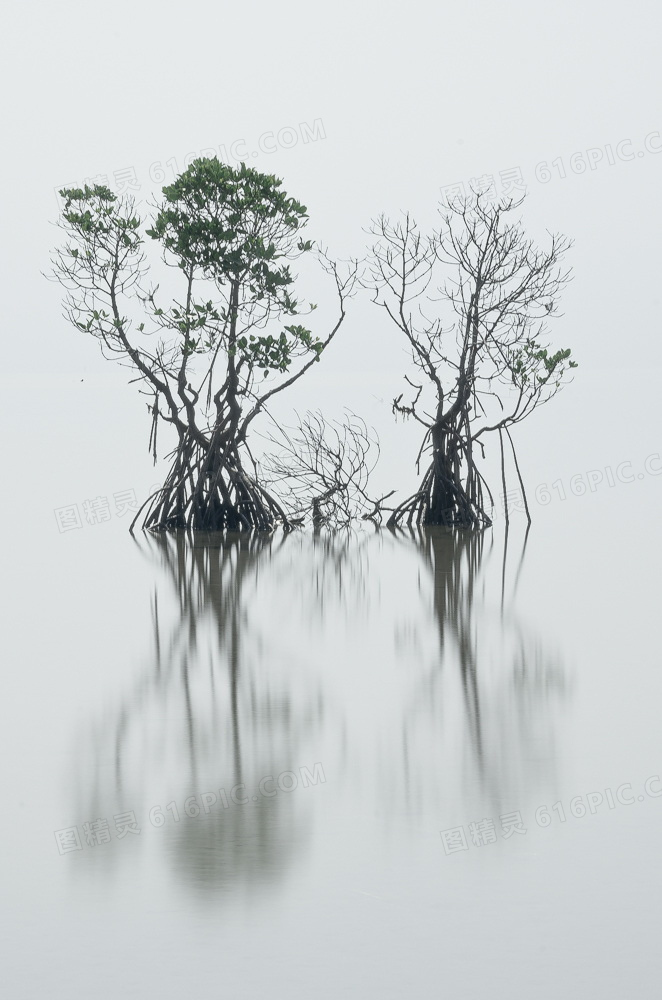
column 210, row 491
column 444, row 499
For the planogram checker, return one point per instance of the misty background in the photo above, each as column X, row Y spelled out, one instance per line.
column 360, row 109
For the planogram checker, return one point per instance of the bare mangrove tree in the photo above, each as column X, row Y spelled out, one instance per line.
column 322, row 471
column 472, row 300
column 213, row 356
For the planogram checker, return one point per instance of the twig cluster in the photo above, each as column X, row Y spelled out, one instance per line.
column 323, row 469
column 476, row 336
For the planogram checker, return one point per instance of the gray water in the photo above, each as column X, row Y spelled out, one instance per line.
column 364, row 765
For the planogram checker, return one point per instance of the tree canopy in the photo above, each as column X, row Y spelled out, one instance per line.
column 212, row 356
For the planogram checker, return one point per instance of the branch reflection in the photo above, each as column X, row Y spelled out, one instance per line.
column 392, row 659
column 480, row 720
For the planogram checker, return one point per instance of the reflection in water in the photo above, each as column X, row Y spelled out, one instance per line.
column 245, row 718
column 222, row 704
column 481, row 710
column 390, row 658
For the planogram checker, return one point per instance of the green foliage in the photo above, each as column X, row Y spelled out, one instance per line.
column 275, row 353
column 235, row 225
column 532, row 365
column 93, row 213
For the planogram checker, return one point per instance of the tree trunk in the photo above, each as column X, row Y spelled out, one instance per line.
column 448, row 502
column 207, row 489
column 450, row 493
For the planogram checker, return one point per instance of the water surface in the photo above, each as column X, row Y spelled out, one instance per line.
column 368, row 764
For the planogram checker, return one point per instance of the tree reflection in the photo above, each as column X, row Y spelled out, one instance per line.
column 393, row 659
column 222, row 705
column 489, row 670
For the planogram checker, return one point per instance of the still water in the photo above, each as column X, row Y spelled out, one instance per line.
column 360, row 765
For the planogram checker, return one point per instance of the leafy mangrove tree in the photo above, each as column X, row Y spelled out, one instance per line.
column 471, row 300
column 229, row 340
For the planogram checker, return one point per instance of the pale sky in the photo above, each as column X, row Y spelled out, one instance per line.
column 360, row 109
